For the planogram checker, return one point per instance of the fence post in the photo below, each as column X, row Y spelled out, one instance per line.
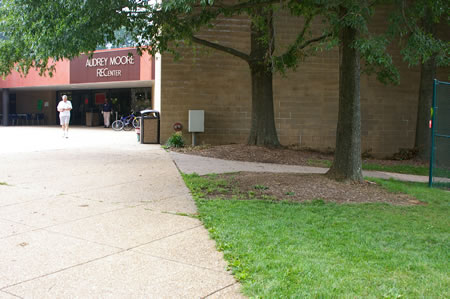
column 433, row 106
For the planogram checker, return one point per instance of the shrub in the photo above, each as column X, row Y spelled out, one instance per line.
column 176, row 140
column 367, row 154
column 405, row 154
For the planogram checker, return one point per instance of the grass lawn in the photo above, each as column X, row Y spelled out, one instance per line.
column 406, row 169
column 319, row 249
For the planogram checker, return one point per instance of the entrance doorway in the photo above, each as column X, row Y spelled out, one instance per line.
column 123, row 101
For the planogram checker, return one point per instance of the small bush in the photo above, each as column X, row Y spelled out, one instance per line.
column 367, row 154
column 176, row 140
column 405, row 154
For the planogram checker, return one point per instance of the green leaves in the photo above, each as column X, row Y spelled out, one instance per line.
column 421, row 46
column 35, row 31
column 415, row 23
column 377, row 59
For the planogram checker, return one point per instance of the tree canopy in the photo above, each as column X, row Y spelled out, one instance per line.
column 412, row 23
column 38, row 30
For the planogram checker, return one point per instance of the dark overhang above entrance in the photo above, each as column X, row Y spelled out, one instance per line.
column 102, row 85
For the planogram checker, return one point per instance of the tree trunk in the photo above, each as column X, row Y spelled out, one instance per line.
column 262, row 130
column 347, row 158
column 427, row 74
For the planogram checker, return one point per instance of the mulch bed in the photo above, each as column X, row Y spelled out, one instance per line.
column 284, row 155
column 307, row 187
column 297, row 187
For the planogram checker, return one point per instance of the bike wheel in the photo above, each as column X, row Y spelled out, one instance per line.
column 136, row 123
column 128, row 126
column 117, row 125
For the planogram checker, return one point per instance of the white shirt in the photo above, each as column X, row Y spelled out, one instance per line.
column 64, row 105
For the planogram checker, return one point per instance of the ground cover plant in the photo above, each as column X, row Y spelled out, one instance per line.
column 322, row 248
column 175, row 140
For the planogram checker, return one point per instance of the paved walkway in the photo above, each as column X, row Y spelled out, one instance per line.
column 202, row 165
column 99, row 216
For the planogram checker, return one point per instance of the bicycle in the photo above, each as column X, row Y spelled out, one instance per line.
column 126, row 123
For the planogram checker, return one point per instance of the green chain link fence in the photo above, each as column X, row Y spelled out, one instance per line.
column 440, row 136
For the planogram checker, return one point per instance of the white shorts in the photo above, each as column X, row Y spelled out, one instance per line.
column 64, row 120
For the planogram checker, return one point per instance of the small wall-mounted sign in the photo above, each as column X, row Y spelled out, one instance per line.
column 177, row 127
column 100, row 98
column 39, row 105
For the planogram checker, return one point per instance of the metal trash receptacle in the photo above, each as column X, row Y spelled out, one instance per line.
column 150, row 122
column 92, row 119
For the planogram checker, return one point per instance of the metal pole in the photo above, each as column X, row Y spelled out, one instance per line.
column 5, row 106
column 433, row 117
column 194, row 139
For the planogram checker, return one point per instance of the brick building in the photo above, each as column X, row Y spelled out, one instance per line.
column 305, row 100
column 120, row 75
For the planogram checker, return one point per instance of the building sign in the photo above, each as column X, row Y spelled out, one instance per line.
column 106, row 67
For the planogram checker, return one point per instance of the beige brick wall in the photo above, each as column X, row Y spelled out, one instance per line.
column 305, row 100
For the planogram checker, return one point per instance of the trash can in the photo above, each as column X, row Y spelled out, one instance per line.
column 92, row 117
column 150, row 121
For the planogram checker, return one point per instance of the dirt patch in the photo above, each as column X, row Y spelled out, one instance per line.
column 284, row 155
column 306, row 187
column 296, row 187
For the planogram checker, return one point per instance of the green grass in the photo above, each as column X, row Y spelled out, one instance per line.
column 3, row 184
column 406, row 169
column 326, row 250
column 441, row 172
column 319, row 163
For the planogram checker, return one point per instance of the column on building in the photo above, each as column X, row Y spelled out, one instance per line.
column 5, row 111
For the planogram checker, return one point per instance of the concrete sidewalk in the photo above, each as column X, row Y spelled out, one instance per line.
column 99, row 216
column 204, row 165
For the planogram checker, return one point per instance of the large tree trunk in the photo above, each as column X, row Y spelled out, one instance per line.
column 427, row 74
column 347, row 158
column 262, row 130
column 423, row 134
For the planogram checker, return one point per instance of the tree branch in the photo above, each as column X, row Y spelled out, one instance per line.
column 317, row 39
column 225, row 49
column 290, row 58
column 405, row 19
column 244, row 5
column 218, row 9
